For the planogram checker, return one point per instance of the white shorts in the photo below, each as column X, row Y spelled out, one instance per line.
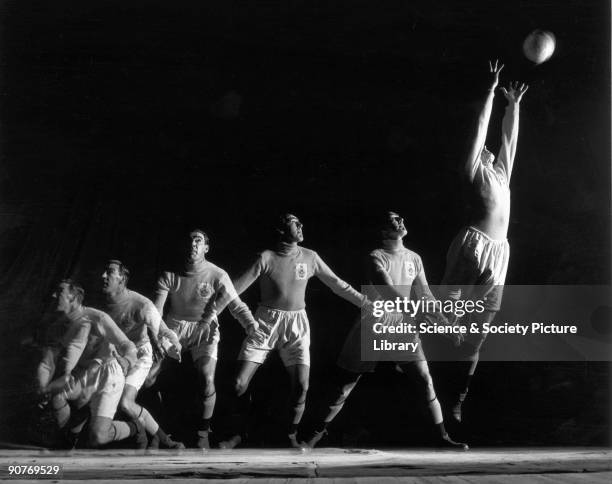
column 286, row 331
column 139, row 372
column 350, row 356
column 100, row 385
column 185, row 330
column 476, row 267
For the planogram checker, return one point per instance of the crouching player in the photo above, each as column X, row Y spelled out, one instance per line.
column 90, row 371
column 138, row 317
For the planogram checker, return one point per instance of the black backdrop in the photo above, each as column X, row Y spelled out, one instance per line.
column 125, row 124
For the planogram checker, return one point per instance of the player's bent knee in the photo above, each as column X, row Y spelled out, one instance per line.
column 209, row 386
column 128, row 406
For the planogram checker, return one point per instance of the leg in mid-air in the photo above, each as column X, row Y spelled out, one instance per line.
column 246, row 371
column 344, row 382
column 467, row 356
column 475, row 271
column 420, row 378
column 479, row 254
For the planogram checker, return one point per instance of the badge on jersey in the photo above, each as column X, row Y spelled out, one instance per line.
column 301, row 271
column 409, row 269
column 205, row 290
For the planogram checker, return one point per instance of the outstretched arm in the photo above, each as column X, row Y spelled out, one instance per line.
column 225, row 296
column 243, row 282
column 337, row 285
column 510, row 126
column 473, row 159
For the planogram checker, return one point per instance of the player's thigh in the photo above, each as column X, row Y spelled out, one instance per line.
column 245, row 373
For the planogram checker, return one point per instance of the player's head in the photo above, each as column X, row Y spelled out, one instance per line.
column 199, row 245
column 392, row 226
column 115, row 276
column 290, row 228
column 68, row 295
column 486, row 157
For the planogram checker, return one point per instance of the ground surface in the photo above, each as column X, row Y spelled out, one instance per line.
column 586, row 465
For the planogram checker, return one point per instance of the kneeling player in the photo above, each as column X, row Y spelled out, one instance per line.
column 90, row 371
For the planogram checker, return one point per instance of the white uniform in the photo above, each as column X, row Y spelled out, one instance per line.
column 398, row 267
column 91, row 346
column 283, row 276
column 134, row 314
column 196, row 294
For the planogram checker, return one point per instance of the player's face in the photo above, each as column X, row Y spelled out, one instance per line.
column 63, row 298
column 197, row 246
column 112, row 280
column 293, row 230
column 395, row 228
column 486, row 157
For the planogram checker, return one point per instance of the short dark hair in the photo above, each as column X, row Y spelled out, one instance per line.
column 382, row 220
column 204, row 234
column 283, row 219
column 123, row 270
column 75, row 288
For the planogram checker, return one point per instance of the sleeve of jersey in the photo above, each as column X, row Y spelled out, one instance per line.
column 243, row 282
column 421, row 286
column 227, row 296
column 114, row 335
column 151, row 318
column 74, row 349
column 378, row 270
column 164, row 286
column 337, row 285
column 510, row 130
column 46, row 367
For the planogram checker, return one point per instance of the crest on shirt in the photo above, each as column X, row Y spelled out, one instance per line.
column 409, row 268
column 205, row 290
column 301, row 271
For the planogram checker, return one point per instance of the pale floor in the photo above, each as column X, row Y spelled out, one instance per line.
column 327, row 465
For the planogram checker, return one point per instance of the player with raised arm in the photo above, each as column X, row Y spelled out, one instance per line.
column 283, row 275
column 392, row 271
column 89, row 375
column 193, row 296
column 477, row 259
column 138, row 317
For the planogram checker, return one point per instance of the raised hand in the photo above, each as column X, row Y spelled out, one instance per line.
column 515, row 92
column 494, row 70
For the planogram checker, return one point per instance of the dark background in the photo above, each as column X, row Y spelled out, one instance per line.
column 126, row 123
